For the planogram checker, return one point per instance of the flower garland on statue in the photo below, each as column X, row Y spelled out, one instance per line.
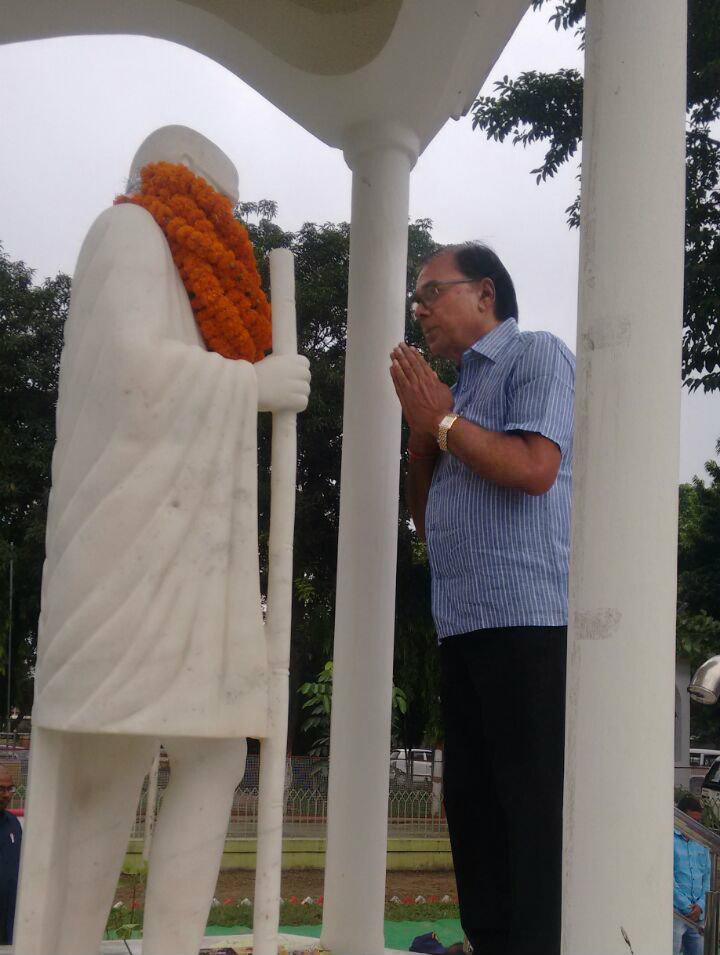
column 214, row 256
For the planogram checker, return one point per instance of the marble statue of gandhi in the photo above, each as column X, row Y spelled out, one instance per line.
column 151, row 626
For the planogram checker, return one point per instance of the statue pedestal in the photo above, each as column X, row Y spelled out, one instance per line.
column 286, row 943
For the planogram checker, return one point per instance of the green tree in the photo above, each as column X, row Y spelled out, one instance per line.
column 318, row 700
column 547, row 107
column 264, row 209
column 698, row 621
column 31, row 325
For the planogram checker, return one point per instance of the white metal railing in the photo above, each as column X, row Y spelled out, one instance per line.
column 410, row 814
column 412, row 810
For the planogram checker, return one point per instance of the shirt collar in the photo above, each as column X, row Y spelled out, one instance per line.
column 495, row 342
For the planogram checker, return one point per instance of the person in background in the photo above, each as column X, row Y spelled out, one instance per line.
column 10, row 841
column 13, row 720
column 691, row 880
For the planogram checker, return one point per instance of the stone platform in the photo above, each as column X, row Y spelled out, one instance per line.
column 289, row 943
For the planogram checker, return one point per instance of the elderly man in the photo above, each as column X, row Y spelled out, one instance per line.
column 10, row 841
column 489, row 466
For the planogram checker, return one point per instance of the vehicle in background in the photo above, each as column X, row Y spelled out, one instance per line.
column 703, row 757
column 710, row 796
column 403, row 762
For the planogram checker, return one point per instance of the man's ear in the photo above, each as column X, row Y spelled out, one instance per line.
column 486, row 299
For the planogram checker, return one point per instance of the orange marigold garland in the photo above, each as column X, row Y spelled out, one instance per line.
column 214, row 256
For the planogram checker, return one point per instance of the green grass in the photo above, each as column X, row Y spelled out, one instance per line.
column 422, row 912
column 235, row 914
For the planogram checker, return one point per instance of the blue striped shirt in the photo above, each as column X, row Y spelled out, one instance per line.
column 499, row 556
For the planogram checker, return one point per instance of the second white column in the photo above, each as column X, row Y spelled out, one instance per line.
column 381, row 158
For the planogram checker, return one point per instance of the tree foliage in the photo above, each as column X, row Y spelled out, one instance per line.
column 547, row 107
column 264, row 209
column 31, row 325
column 318, row 700
column 698, row 619
column 699, row 566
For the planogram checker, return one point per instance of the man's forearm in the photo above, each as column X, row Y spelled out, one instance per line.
column 528, row 462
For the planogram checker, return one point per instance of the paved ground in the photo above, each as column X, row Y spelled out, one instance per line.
column 289, row 942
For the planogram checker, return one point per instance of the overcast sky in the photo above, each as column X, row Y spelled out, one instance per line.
column 75, row 110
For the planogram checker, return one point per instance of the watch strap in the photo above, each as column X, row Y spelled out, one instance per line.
column 444, row 429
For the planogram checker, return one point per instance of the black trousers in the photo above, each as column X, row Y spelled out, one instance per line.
column 503, row 698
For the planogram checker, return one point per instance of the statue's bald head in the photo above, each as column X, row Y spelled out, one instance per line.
column 180, row 144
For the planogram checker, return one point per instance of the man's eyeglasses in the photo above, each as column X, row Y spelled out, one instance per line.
column 7, row 789
column 429, row 294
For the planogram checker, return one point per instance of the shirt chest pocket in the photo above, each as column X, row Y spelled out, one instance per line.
column 481, row 396
column 482, row 400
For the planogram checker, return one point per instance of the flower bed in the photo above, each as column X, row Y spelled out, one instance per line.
column 293, row 911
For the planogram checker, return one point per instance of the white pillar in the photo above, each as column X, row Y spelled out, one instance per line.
column 151, row 805
column 381, row 159
column 619, row 766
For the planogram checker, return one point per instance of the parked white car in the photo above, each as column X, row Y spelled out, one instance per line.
column 710, row 795
column 703, row 757
column 421, row 759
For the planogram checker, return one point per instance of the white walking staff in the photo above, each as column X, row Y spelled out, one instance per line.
column 277, row 623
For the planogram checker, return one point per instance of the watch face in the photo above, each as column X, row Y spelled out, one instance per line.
column 442, row 433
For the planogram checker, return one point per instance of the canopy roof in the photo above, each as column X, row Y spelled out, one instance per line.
column 331, row 65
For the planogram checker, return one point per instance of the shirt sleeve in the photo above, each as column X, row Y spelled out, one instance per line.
column 541, row 391
column 681, row 900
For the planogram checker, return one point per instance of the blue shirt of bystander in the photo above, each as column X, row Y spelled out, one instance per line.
column 691, row 874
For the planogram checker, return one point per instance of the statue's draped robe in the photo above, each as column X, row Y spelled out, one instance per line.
column 151, row 619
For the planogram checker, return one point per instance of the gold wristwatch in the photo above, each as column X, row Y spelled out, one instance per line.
column 444, row 429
